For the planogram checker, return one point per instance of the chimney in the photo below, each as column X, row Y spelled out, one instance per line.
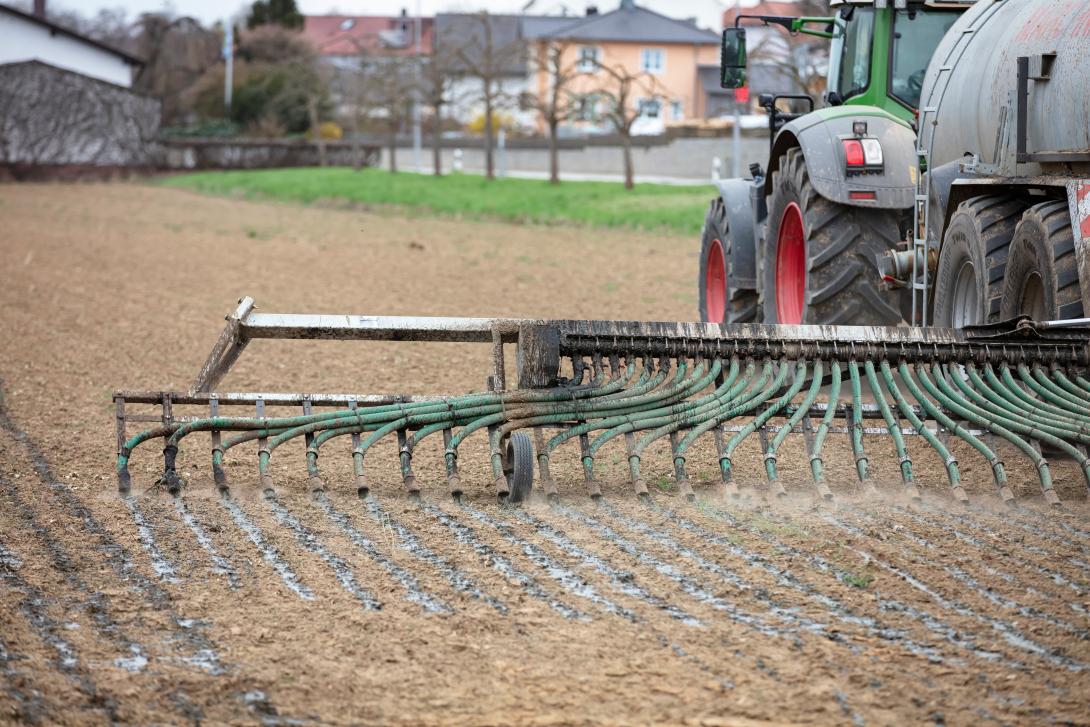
column 39, row 9
column 592, row 10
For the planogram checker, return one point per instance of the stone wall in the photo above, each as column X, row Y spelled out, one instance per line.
column 50, row 117
column 186, row 154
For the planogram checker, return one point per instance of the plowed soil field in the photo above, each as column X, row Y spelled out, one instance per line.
column 296, row 609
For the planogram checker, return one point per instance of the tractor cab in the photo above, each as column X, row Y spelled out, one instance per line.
column 878, row 53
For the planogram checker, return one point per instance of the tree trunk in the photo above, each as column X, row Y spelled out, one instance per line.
column 357, row 147
column 489, row 162
column 626, row 147
column 436, row 139
column 392, row 145
column 554, row 153
column 312, row 112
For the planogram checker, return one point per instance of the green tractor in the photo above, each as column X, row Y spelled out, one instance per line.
column 802, row 241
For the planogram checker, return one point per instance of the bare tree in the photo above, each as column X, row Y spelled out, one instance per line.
column 385, row 90
column 487, row 58
column 437, row 83
column 618, row 88
column 177, row 52
column 558, row 103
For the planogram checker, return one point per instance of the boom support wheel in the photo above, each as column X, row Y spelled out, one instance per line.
column 519, row 467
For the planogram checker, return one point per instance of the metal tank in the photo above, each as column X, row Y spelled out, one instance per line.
column 970, row 95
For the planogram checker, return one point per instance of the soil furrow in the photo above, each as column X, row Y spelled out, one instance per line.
column 34, row 605
column 693, row 588
column 25, row 703
column 413, row 591
column 889, row 605
column 1010, row 633
column 202, row 654
column 567, row 579
column 787, row 614
column 269, row 554
column 968, row 580
column 412, row 545
column 162, row 567
column 221, row 565
column 344, row 574
column 468, row 536
column 839, row 610
column 622, row 581
column 95, row 603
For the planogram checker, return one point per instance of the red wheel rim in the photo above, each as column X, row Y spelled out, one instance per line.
column 791, row 267
column 715, row 283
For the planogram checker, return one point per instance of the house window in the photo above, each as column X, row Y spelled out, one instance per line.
column 676, row 111
column 652, row 60
column 649, row 108
column 588, row 58
column 587, row 108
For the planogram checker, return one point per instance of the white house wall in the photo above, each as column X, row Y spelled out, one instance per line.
column 22, row 40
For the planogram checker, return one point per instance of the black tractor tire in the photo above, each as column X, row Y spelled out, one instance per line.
column 520, row 467
column 843, row 247
column 738, row 304
column 1042, row 276
column 973, row 260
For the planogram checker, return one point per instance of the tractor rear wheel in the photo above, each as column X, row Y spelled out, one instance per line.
column 1042, row 277
column 969, row 281
column 820, row 258
column 718, row 302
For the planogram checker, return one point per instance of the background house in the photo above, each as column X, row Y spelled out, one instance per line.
column 31, row 37
column 665, row 52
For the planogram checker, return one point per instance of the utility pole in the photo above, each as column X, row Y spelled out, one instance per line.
column 229, row 60
column 418, row 29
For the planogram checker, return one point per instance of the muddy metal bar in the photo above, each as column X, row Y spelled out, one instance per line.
column 1013, row 341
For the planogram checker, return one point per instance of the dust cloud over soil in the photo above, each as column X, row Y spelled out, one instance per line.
column 298, row 610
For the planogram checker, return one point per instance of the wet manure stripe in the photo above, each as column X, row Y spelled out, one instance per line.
column 94, row 602
column 221, row 565
column 344, row 574
column 466, row 535
column 1007, row 631
column 622, row 581
column 411, row 544
column 788, row 615
column 839, row 610
column 269, row 553
column 162, row 567
column 567, row 579
column 34, row 607
column 413, row 592
column 1054, row 576
column 971, row 583
column 111, row 552
column 936, row 626
column 26, row 708
column 691, row 587
column 979, row 525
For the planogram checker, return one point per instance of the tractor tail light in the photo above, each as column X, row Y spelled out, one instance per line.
column 862, row 155
column 853, row 153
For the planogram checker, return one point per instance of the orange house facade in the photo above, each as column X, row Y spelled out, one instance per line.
column 662, row 53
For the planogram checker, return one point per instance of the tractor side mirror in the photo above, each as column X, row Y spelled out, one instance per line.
column 732, row 58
